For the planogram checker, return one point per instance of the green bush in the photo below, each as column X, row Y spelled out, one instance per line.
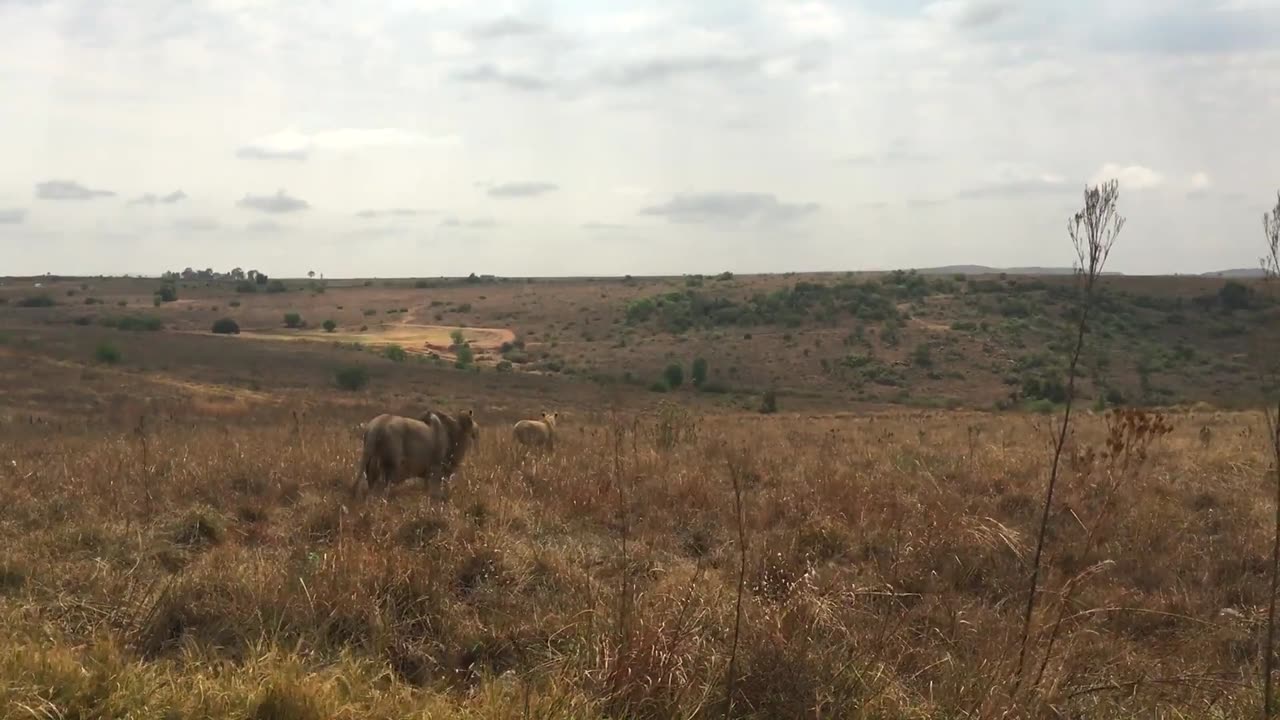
column 922, row 356
column 234, row 303
column 134, row 323
column 673, row 376
column 352, row 377
column 167, row 293
column 83, row 320
column 36, row 301
column 658, row 386
column 330, row 326
column 1041, row 406
column 504, row 366
column 226, row 326
column 369, row 312
column 292, row 320
column 457, row 336
column 699, row 372
column 107, row 353
column 395, row 353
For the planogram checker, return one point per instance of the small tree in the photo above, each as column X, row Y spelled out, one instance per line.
column 457, row 337
column 259, row 277
column 465, row 357
column 674, row 376
column 226, row 326
column 292, row 320
column 699, row 372
column 395, row 353
column 330, row 326
column 168, row 292
column 311, row 273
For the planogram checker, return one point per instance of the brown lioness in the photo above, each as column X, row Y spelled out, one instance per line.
column 537, row 432
column 397, row 448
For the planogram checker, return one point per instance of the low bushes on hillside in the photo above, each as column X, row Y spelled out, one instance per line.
column 226, row 326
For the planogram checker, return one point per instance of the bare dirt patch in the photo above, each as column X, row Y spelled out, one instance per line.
column 419, row 339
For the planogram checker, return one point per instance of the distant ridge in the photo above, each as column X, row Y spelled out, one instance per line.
column 985, row 270
column 1237, row 273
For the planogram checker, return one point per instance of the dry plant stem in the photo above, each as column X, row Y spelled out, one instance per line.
column 742, row 576
column 1271, row 269
column 1093, row 231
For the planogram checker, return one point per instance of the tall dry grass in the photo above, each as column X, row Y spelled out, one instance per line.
column 885, row 565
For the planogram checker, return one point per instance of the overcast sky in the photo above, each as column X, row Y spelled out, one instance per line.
column 428, row 137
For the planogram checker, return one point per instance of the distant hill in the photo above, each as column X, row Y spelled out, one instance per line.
column 1237, row 273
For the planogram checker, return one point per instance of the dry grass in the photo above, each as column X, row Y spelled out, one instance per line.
column 886, row 563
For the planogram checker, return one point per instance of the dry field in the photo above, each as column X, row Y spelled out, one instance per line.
column 198, row 565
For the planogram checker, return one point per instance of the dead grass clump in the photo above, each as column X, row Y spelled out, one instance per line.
column 288, row 699
column 200, row 527
column 13, row 575
column 422, row 530
column 481, row 567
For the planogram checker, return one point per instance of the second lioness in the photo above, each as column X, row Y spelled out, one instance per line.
column 537, row 432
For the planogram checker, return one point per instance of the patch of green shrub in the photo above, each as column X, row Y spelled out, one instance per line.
column 226, row 326
column 352, row 377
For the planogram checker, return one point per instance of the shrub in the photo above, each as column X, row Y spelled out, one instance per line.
column 36, row 301
column 922, row 356
column 226, row 326
column 395, row 353
column 292, row 320
column 1041, row 406
column 122, row 303
column 457, row 336
column 135, row 323
column 234, row 303
column 504, row 366
column 658, row 386
column 699, row 372
column 352, row 377
column 330, row 326
column 167, row 293
column 92, row 301
column 769, row 403
column 1235, row 296
column 369, row 312
column 107, row 353
column 276, row 286
column 673, row 375
column 463, row 308
column 246, row 286
column 83, row 320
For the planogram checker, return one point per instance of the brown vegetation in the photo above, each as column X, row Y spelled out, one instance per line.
column 197, row 570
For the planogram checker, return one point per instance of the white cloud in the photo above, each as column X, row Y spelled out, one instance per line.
column 292, row 144
column 1130, row 177
column 817, row 19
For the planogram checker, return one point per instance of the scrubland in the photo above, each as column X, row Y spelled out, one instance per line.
column 657, row 564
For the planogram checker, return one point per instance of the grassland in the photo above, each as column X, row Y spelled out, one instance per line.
column 175, row 538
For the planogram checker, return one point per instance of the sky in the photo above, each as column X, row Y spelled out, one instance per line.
column 441, row 137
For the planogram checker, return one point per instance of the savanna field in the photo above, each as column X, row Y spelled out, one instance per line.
column 177, row 538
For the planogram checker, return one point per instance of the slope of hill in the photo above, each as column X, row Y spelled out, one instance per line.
column 831, row 340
